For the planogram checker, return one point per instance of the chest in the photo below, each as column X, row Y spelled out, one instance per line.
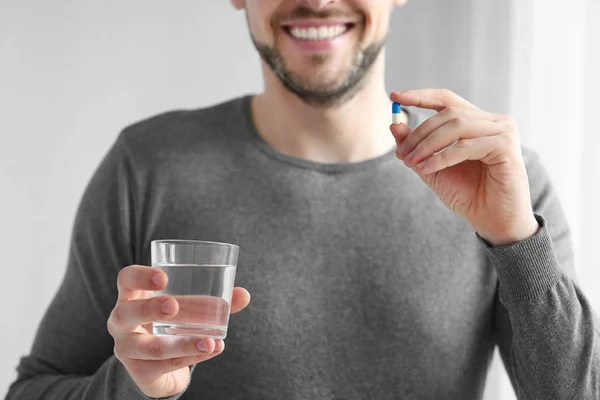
column 327, row 253
column 358, row 286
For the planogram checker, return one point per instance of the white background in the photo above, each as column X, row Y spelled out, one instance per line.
column 73, row 74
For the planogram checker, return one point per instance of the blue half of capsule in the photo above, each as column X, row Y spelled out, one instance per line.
column 396, row 108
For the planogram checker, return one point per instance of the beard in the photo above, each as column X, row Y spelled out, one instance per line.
column 320, row 91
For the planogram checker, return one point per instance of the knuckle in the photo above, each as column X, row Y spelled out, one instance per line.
column 510, row 138
column 458, row 121
column 447, row 93
column 122, row 278
column 187, row 346
column 110, row 326
column 116, row 315
column 156, row 349
column 508, row 119
column 513, row 142
column 462, row 144
column 176, row 361
column 450, row 111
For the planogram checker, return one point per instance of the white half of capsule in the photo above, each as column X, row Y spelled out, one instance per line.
column 396, row 118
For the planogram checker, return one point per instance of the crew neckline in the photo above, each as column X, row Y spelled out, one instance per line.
column 332, row 168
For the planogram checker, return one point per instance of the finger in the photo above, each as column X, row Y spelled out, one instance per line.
column 483, row 149
column 144, row 346
column 448, row 134
column 239, row 299
column 435, row 122
column 434, row 99
column 135, row 278
column 400, row 132
column 151, row 369
column 128, row 315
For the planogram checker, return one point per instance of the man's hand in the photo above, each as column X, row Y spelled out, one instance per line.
column 159, row 365
column 482, row 176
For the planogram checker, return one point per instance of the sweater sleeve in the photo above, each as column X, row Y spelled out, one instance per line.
column 547, row 332
column 72, row 354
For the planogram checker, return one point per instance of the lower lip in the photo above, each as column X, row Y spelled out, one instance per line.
column 318, row 45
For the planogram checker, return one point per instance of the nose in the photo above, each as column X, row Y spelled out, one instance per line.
column 317, row 4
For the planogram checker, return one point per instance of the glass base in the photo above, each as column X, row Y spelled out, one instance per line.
column 215, row 332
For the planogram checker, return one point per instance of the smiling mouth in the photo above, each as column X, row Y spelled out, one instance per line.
column 316, row 33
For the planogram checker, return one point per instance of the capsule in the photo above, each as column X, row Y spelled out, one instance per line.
column 396, row 113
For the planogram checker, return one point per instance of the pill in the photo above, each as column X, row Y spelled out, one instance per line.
column 396, row 113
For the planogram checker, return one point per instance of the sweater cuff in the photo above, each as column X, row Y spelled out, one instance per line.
column 126, row 388
column 525, row 269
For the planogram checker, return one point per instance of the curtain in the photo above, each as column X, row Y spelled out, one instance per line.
column 554, row 86
column 537, row 61
column 554, row 53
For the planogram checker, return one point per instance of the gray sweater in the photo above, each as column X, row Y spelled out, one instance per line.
column 364, row 285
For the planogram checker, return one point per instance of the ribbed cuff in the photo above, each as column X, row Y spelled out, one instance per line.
column 525, row 269
column 126, row 388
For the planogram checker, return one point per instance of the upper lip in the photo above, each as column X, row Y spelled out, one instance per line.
column 308, row 23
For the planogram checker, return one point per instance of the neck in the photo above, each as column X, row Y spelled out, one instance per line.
column 353, row 131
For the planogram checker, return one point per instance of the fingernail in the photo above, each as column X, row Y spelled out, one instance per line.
column 202, row 346
column 219, row 346
column 421, row 164
column 411, row 155
column 167, row 306
column 157, row 279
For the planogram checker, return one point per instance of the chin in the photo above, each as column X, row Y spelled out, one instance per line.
column 328, row 74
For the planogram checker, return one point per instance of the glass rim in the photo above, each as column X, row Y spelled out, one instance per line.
column 193, row 242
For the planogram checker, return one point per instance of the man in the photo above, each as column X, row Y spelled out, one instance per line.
column 365, row 284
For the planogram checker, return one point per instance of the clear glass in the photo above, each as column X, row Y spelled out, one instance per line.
column 201, row 276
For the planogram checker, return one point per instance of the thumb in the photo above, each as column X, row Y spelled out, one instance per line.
column 400, row 131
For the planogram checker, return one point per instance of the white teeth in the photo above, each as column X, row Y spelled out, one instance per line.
column 300, row 33
column 321, row 33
